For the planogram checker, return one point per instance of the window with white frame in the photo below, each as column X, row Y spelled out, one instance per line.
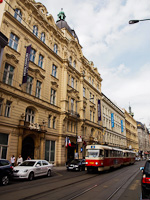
column 55, row 48
column 13, row 41
column 83, row 92
column 38, row 89
column 40, row 62
column 18, row 14
column 7, row 108
column 32, row 55
column 49, row 121
column 72, row 82
column 1, row 105
column 3, row 145
column 29, row 84
column 54, row 122
column 8, row 74
column 72, row 105
column 35, row 30
column 53, row 97
column 30, row 115
column 43, row 37
column 50, row 151
column 54, row 71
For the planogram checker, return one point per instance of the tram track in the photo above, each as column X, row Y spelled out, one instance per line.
column 83, row 190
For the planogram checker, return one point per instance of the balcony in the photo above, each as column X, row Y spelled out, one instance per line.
column 73, row 114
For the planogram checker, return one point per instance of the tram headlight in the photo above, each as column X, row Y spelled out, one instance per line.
column 86, row 163
column 96, row 163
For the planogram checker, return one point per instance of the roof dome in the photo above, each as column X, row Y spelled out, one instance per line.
column 61, row 23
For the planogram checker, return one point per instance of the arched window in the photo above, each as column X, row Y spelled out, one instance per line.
column 43, row 37
column 35, row 30
column 30, row 115
column 18, row 14
column 55, row 48
column 70, row 60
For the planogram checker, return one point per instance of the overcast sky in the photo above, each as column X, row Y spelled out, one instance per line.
column 120, row 51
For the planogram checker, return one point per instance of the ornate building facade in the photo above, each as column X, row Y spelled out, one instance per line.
column 49, row 91
column 131, row 131
column 114, row 130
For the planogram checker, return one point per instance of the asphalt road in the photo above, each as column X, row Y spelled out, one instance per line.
column 64, row 185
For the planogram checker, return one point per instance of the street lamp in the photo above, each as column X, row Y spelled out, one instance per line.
column 136, row 21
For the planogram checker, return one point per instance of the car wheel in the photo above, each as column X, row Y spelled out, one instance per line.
column 5, row 180
column 49, row 173
column 31, row 176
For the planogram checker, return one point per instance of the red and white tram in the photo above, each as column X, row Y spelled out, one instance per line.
column 101, row 157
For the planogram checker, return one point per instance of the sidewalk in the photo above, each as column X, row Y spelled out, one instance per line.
column 59, row 168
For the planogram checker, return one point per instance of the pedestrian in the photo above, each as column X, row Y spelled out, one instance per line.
column 19, row 159
column 12, row 160
column 28, row 158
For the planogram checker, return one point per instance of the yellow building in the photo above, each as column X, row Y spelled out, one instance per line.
column 131, row 131
column 48, row 89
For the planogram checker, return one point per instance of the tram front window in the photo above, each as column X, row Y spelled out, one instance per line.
column 93, row 153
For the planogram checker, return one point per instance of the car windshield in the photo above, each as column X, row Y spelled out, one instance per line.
column 94, row 153
column 74, row 161
column 28, row 163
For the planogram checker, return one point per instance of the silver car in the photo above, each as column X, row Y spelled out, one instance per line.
column 32, row 168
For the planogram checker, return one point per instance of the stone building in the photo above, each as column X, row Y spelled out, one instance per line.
column 144, row 143
column 114, row 130
column 131, row 131
column 49, row 91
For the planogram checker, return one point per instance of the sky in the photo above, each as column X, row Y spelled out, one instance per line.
column 119, row 50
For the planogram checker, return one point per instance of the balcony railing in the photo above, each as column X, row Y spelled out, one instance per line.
column 73, row 113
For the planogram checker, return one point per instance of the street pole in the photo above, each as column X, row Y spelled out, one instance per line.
column 136, row 21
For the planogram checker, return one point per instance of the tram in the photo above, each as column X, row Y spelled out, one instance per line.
column 102, row 157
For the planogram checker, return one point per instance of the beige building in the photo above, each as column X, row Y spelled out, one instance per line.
column 114, row 130
column 131, row 131
column 54, row 97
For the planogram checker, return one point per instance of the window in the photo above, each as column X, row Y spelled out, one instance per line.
column 38, row 89
column 70, row 60
column 13, row 41
column 29, row 117
column 89, row 79
column 7, row 108
column 90, row 96
column 72, row 105
column 83, row 74
column 35, row 30
column 3, row 145
column 93, row 99
column 74, row 64
column 90, row 115
column 83, row 92
column 50, row 150
column 53, row 96
column 72, row 82
column 18, row 14
column 29, row 84
column 1, row 106
column 43, row 37
column 76, row 85
column 84, row 112
column 54, row 122
column 40, row 62
column 68, row 79
column 49, row 121
column 32, row 55
column 8, row 74
column 54, row 71
column 92, row 82
column 55, row 48
column 67, row 126
column 93, row 116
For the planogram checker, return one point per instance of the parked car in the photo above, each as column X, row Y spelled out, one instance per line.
column 76, row 164
column 32, row 168
column 145, row 182
column 6, row 171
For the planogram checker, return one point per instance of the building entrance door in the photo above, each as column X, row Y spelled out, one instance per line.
column 28, row 148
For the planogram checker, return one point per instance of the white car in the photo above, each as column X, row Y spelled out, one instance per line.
column 32, row 168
